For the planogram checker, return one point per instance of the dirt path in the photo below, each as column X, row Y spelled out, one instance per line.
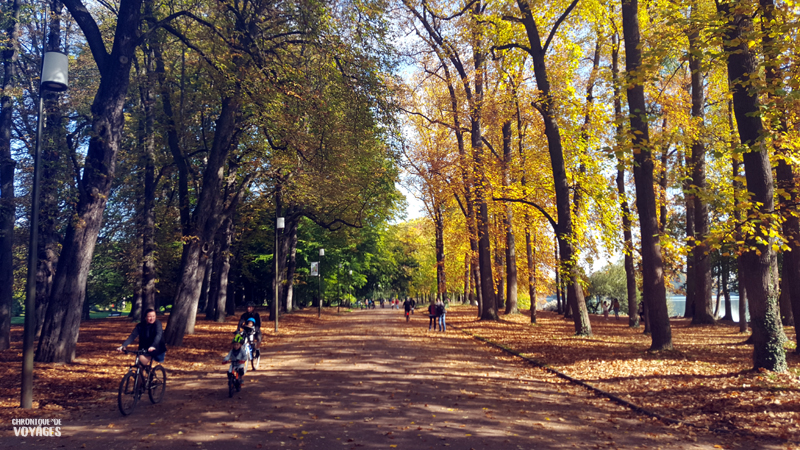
column 368, row 380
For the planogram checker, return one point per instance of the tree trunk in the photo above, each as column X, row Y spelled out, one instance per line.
column 488, row 298
column 511, row 251
column 785, row 299
column 148, row 205
column 499, row 261
column 726, row 292
column 207, row 272
column 54, row 152
column 627, row 237
column 136, row 304
column 8, row 204
column 564, row 230
column 784, row 171
column 691, row 271
column 701, row 251
column 530, row 253
column 290, row 250
column 438, row 225
column 60, row 329
column 559, row 302
column 654, row 290
column 207, row 218
column 758, row 260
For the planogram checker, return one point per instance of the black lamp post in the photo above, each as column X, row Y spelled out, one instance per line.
column 54, row 78
column 279, row 225
column 319, row 286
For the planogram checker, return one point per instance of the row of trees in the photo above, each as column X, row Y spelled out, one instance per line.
column 185, row 126
column 527, row 121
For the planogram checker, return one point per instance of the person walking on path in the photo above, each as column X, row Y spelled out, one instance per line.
column 605, row 309
column 441, row 310
column 615, row 305
column 432, row 319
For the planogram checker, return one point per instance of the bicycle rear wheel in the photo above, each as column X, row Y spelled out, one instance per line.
column 256, row 359
column 157, row 384
column 127, row 397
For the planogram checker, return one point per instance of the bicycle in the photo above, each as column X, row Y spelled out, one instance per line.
column 131, row 387
column 235, row 379
column 255, row 355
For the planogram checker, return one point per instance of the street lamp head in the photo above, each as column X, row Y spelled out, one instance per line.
column 350, row 272
column 322, row 252
column 54, row 72
column 281, row 223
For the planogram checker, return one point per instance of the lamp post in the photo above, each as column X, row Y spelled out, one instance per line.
column 319, row 288
column 349, row 285
column 54, row 78
column 339, row 287
column 279, row 225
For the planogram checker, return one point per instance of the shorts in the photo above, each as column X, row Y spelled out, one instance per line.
column 159, row 357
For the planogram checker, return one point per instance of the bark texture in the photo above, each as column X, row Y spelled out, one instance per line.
column 653, row 288
column 760, row 265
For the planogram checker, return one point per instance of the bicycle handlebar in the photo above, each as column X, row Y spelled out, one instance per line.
column 137, row 352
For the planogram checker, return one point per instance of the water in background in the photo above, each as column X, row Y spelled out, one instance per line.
column 677, row 305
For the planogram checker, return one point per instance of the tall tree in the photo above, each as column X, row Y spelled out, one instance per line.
column 654, row 290
column 8, row 206
column 60, row 329
column 701, row 251
column 546, row 105
column 759, row 261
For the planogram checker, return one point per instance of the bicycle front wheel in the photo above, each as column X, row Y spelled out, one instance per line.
column 157, row 384
column 231, row 383
column 127, row 397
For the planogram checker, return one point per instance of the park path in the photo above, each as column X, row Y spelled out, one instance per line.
column 369, row 380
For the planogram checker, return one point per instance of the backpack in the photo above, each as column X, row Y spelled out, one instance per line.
column 439, row 309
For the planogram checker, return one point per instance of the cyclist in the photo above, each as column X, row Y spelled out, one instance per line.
column 251, row 314
column 151, row 338
column 407, row 305
column 238, row 356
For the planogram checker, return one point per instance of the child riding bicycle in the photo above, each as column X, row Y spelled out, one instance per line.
column 238, row 356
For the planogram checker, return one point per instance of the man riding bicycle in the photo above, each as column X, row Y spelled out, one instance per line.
column 251, row 314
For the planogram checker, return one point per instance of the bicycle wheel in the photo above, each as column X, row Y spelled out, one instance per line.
column 157, row 384
column 127, row 397
column 256, row 359
column 231, row 383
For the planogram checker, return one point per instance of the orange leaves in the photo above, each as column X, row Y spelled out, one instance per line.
column 707, row 380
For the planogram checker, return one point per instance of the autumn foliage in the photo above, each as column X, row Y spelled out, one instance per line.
column 707, row 380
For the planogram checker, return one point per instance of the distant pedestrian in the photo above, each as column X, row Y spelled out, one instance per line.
column 605, row 309
column 413, row 305
column 441, row 310
column 407, row 307
column 615, row 305
column 432, row 319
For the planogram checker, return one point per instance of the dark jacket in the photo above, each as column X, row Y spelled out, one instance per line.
column 407, row 305
column 250, row 315
column 150, row 335
column 439, row 310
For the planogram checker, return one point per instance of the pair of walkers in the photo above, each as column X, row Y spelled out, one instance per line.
column 436, row 314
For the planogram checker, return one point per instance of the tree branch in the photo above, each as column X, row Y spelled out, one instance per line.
column 90, row 31
column 557, row 24
column 547, row 216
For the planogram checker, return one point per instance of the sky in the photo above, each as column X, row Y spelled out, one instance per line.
column 414, row 206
